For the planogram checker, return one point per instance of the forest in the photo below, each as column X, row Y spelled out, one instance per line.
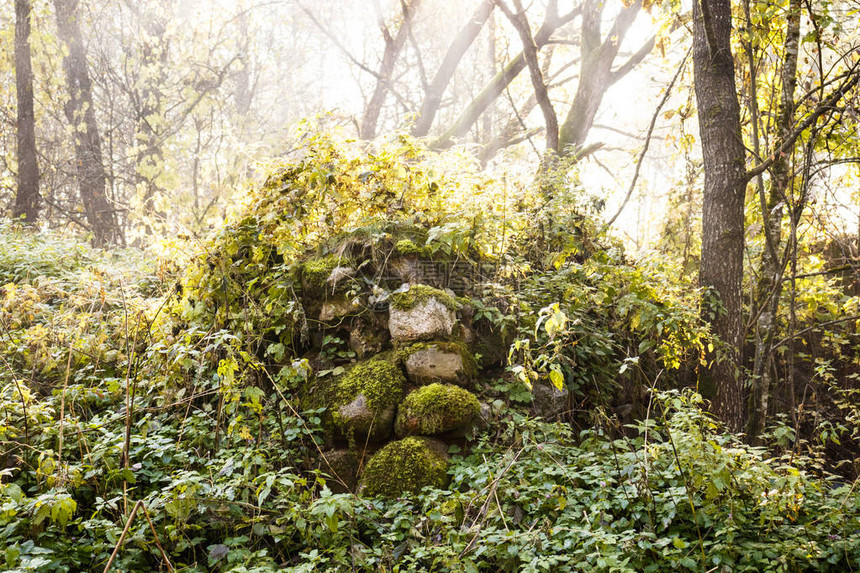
column 414, row 285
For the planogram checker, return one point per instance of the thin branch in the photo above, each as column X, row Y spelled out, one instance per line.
column 826, row 106
column 648, row 139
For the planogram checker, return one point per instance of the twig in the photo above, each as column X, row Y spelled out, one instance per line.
column 21, row 394
column 648, row 140
column 125, row 532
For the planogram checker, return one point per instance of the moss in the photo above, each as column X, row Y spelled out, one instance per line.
column 316, row 272
column 380, row 381
column 419, row 294
column 407, row 247
column 436, row 409
column 470, row 365
column 407, row 465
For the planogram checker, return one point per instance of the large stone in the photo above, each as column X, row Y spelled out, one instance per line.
column 363, row 420
column 439, row 362
column 362, row 403
column 406, row 466
column 548, row 401
column 437, row 409
column 421, row 313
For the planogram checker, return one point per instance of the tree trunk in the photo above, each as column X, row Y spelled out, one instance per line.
column 79, row 112
column 521, row 24
column 596, row 74
column 27, row 196
column 500, row 81
column 772, row 267
column 723, row 199
column 443, row 76
column 149, row 164
column 393, row 45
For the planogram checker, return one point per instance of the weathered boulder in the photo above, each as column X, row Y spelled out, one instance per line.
column 362, row 403
column 342, row 468
column 437, row 409
column 421, row 313
column 548, row 401
column 439, row 362
column 406, row 466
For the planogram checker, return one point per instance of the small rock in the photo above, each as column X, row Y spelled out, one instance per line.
column 548, row 401
column 421, row 313
column 336, row 308
column 342, row 467
column 365, row 341
column 339, row 274
column 439, row 362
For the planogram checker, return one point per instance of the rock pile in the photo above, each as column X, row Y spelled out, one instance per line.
column 406, row 398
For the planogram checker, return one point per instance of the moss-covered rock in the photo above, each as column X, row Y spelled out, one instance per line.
column 406, row 466
column 362, row 403
column 317, row 272
column 421, row 294
column 439, row 361
column 421, row 313
column 407, row 247
column 436, row 409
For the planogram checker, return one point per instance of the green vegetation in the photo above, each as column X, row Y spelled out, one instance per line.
column 404, row 466
column 204, row 390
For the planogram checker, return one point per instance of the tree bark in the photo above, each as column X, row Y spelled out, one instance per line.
column 79, row 111
column 723, row 199
column 27, row 196
column 393, row 46
column 446, row 70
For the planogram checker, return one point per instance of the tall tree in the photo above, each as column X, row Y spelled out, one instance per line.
column 92, row 182
column 723, row 198
column 27, row 196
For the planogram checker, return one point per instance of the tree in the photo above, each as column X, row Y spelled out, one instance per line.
column 723, row 198
column 393, row 46
column 27, row 196
column 80, row 113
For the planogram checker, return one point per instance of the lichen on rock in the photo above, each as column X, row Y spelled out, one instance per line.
column 436, row 409
column 406, row 247
column 421, row 313
column 420, row 294
column 406, row 466
column 316, row 272
column 439, row 361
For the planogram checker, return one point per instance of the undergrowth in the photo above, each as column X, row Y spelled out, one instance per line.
column 128, row 383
